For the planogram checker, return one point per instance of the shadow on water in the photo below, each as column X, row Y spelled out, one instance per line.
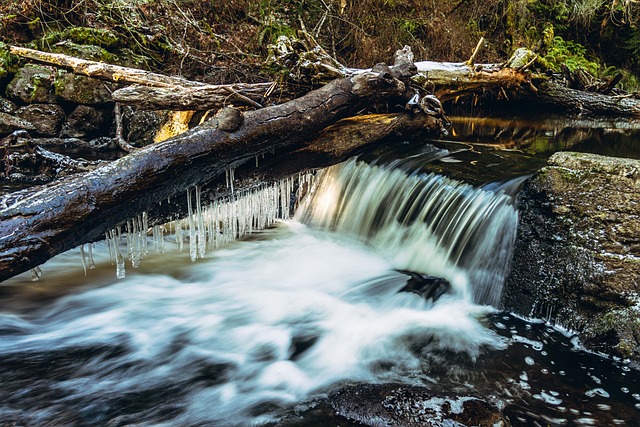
column 481, row 150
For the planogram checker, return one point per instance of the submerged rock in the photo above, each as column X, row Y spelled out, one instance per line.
column 398, row 405
column 409, row 406
column 428, row 287
column 577, row 254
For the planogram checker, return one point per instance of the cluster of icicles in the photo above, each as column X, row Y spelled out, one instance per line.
column 205, row 227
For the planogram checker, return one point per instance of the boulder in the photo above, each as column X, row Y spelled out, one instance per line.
column 10, row 123
column 32, row 84
column 7, row 106
column 87, row 121
column 577, row 254
column 81, row 89
column 47, row 119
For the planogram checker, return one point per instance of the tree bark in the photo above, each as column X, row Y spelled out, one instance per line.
column 41, row 222
column 583, row 103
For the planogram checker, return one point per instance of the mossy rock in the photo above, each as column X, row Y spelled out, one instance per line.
column 93, row 36
column 81, row 89
column 616, row 331
column 88, row 52
column 576, row 255
column 102, row 38
column 9, row 63
column 32, row 84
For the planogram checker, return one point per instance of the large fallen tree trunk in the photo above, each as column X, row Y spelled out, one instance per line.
column 40, row 222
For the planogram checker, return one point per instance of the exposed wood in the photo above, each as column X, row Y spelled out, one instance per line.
column 209, row 97
column 103, row 71
column 452, row 79
column 38, row 223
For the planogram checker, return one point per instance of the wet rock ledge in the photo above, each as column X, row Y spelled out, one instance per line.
column 577, row 255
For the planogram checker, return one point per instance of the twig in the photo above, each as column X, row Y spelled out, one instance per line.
column 475, row 51
column 242, row 97
column 120, row 142
column 528, row 64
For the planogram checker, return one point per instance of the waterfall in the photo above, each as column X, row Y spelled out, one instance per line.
column 423, row 223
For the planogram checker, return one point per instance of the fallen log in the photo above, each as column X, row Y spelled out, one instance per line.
column 38, row 223
column 582, row 103
column 152, row 90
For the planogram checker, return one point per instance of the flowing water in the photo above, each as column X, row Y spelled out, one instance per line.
column 252, row 327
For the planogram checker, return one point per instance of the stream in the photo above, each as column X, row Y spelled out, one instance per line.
column 238, row 333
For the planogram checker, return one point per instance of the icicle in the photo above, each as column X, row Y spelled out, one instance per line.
column 256, row 161
column 84, row 261
column 158, row 239
column 109, row 240
column 193, row 248
column 120, row 269
column 177, row 224
column 144, row 228
column 92, row 264
column 231, row 178
column 36, row 274
column 202, row 236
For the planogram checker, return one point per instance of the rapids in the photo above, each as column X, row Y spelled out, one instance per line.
column 252, row 328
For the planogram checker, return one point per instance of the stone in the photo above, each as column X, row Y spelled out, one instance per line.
column 32, row 84
column 81, row 89
column 47, row 119
column 412, row 406
column 577, row 254
column 7, row 106
column 142, row 125
column 87, row 121
column 10, row 124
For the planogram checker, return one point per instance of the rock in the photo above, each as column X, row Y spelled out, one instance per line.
column 47, row 119
column 577, row 254
column 87, row 121
column 9, row 124
column 521, row 57
column 412, row 406
column 7, row 106
column 81, row 89
column 428, row 287
column 88, row 52
column 32, row 84
column 142, row 125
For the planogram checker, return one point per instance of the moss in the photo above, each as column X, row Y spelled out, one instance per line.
column 92, row 36
column 622, row 322
column 9, row 64
column 90, row 52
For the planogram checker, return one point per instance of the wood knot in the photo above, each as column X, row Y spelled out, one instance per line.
column 229, row 119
